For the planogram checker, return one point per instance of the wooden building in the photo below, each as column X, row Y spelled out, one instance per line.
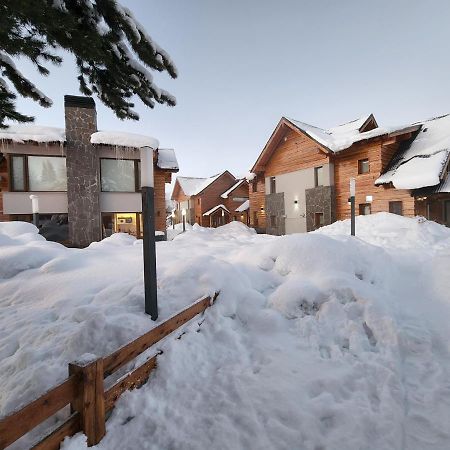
column 301, row 178
column 211, row 202
column 87, row 181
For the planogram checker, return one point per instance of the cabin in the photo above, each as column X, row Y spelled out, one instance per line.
column 87, row 181
column 301, row 179
column 212, row 201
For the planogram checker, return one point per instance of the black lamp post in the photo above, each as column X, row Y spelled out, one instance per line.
column 173, row 220
column 352, row 205
column 148, row 214
column 35, row 209
column 184, row 219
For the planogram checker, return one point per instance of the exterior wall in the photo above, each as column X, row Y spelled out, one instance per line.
column 320, row 199
column 83, row 174
column 160, row 200
column 49, row 202
column 258, row 204
column 234, row 200
column 294, row 185
column 114, row 202
column 346, row 166
column 275, row 207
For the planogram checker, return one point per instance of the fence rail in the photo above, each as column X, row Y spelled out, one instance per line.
column 84, row 389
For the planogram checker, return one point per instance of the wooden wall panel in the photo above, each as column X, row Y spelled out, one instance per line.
column 160, row 200
column 346, row 166
column 4, row 186
column 258, row 201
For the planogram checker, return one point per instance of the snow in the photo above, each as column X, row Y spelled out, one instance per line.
column 422, row 163
column 167, row 159
column 33, row 133
column 344, row 136
column 232, row 188
column 316, row 340
column 243, row 207
column 193, row 186
column 215, row 208
column 122, row 139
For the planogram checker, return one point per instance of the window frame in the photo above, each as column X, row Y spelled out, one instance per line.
column 317, row 224
column 360, row 166
column 136, row 171
column 26, row 172
column 396, row 202
column 316, row 176
column 361, row 206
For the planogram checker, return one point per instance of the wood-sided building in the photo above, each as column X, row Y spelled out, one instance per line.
column 212, row 201
column 87, row 181
column 302, row 176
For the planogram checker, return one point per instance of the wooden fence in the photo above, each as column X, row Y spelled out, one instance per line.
column 83, row 390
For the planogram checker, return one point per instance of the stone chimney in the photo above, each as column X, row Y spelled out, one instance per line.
column 83, row 172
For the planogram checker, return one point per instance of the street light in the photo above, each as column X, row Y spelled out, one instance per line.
column 352, row 205
column 173, row 220
column 35, row 209
column 148, row 213
column 183, row 212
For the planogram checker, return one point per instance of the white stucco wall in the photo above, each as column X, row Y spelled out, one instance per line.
column 293, row 185
column 20, row 203
column 120, row 202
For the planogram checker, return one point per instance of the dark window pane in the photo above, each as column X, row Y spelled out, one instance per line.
column 363, row 166
column 396, row 208
column 273, row 186
column 318, row 176
column 365, row 209
column 318, row 220
column 18, row 173
column 54, row 227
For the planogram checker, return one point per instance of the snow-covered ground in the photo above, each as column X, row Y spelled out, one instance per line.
column 317, row 341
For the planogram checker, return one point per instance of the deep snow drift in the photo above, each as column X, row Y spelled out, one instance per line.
column 318, row 341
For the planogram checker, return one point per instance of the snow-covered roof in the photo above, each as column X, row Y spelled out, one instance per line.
column 209, row 212
column 193, row 186
column 122, row 139
column 421, row 162
column 243, row 207
column 167, row 159
column 32, row 133
column 232, row 188
column 343, row 136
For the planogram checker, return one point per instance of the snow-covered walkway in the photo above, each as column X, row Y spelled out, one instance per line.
column 316, row 341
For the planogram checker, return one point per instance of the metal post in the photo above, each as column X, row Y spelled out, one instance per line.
column 148, row 218
column 352, row 205
column 35, row 209
column 184, row 223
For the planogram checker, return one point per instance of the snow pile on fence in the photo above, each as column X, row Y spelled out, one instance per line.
column 316, row 341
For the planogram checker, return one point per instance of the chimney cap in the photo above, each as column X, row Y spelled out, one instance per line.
column 78, row 101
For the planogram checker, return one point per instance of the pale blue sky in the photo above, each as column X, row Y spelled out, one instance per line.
column 244, row 64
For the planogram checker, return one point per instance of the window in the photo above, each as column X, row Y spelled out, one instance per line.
column 363, row 166
column 273, row 221
column 273, row 185
column 396, row 208
column 130, row 223
column 38, row 173
column 254, row 185
column 198, row 201
column 364, row 209
column 18, row 173
column 119, row 175
column 318, row 176
column 318, row 220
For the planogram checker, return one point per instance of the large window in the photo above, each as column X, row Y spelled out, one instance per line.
column 318, row 176
column 38, row 173
column 396, row 208
column 119, row 175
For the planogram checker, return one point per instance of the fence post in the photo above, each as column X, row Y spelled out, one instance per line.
column 90, row 400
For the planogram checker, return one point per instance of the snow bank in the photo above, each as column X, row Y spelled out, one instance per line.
column 316, row 341
column 34, row 133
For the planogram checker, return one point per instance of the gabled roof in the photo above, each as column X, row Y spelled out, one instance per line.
column 332, row 140
column 232, row 188
column 32, row 133
column 194, row 186
column 217, row 207
column 421, row 161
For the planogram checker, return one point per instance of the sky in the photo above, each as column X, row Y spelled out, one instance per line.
column 245, row 64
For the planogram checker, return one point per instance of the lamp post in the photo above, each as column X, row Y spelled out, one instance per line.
column 148, row 213
column 35, row 209
column 352, row 205
column 183, row 213
column 173, row 220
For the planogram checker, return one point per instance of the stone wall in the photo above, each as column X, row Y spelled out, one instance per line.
column 320, row 199
column 275, row 211
column 83, row 180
